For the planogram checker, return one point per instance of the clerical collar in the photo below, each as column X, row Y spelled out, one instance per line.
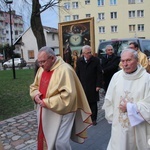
column 133, row 71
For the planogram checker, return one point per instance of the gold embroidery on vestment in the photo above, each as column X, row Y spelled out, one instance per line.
column 123, row 117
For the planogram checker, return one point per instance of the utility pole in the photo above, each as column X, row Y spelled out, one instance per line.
column 9, row 2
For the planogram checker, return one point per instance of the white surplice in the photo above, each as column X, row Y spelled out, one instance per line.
column 133, row 88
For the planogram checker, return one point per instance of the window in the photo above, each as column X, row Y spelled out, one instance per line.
column 113, row 15
column 67, row 18
column 3, row 39
column 140, row 27
column 75, row 17
column 131, row 14
column 87, row 2
column 102, row 29
column 140, row 1
column 101, row 16
column 140, row 13
column 1, row 23
column 88, row 15
column 15, row 24
column 75, row 5
column 3, row 31
column 113, row 2
column 67, row 5
column 113, row 28
column 101, row 40
column 131, row 1
column 1, row 14
column 131, row 28
column 53, row 37
column 31, row 54
column 100, row 2
column 16, row 32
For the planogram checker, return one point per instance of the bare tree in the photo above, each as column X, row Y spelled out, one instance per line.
column 24, row 8
column 36, row 23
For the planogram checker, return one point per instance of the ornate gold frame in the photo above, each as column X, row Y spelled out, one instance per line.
column 76, row 34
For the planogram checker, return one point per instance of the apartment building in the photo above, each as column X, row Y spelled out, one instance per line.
column 113, row 19
column 17, row 27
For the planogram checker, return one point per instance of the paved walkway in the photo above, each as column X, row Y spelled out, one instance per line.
column 20, row 132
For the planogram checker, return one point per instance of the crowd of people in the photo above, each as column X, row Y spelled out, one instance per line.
column 66, row 97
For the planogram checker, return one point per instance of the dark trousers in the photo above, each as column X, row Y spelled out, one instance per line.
column 93, row 107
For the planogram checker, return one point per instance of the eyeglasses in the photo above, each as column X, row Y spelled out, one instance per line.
column 43, row 61
column 88, row 53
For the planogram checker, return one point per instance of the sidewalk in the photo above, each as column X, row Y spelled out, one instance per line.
column 20, row 132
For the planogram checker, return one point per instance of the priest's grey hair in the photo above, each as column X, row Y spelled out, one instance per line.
column 49, row 51
column 135, row 53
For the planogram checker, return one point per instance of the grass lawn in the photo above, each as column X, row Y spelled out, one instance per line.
column 14, row 93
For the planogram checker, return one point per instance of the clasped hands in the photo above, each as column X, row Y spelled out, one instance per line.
column 97, row 89
column 123, row 106
column 39, row 101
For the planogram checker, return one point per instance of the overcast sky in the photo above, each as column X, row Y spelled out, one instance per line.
column 50, row 18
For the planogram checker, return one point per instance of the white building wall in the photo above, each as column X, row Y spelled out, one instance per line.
column 29, row 43
column 123, row 21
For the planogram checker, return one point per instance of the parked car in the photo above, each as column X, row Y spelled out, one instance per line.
column 120, row 44
column 18, row 62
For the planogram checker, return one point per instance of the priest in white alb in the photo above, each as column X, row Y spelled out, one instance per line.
column 127, row 105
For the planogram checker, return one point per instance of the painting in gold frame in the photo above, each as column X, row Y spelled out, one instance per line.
column 73, row 35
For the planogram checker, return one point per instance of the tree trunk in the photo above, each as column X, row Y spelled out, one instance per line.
column 36, row 24
column 37, row 28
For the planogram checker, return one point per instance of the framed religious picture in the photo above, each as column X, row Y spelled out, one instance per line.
column 73, row 35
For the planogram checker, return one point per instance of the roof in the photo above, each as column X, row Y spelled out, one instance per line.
column 48, row 29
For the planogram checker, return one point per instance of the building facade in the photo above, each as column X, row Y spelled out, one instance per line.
column 16, row 24
column 113, row 19
column 26, row 44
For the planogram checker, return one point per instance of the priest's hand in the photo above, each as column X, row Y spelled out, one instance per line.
column 42, row 104
column 97, row 89
column 37, row 98
column 123, row 106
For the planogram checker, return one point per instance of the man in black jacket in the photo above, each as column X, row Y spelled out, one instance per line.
column 90, row 74
column 110, row 65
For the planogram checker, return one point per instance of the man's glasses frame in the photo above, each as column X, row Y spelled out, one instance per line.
column 43, row 61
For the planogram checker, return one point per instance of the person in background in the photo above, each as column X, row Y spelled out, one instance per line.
column 89, row 72
column 127, row 105
column 143, row 60
column 61, row 105
column 67, row 54
column 74, row 58
column 110, row 65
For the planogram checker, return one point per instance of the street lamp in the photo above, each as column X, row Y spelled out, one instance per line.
column 9, row 2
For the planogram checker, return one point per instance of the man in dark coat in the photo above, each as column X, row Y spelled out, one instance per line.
column 89, row 72
column 110, row 65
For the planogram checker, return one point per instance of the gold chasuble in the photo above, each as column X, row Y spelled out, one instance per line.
column 62, row 93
